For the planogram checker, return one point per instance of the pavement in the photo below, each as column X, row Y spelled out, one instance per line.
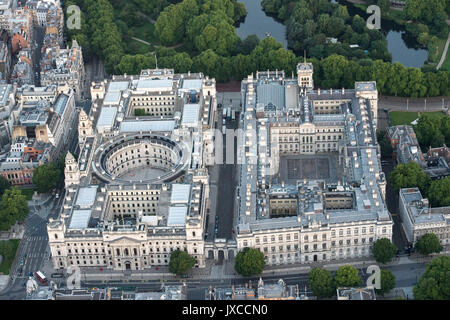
column 444, row 53
column 413, row 104
column 33, row 248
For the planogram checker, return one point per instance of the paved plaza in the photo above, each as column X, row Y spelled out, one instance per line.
column 311, row 167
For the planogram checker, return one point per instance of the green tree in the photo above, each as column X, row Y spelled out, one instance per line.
column 347, row 276
column 13, row 208
column 409, row 175
column 428, row 243
column 46, row 177
column 428, row 131
column 4, row 184
column 321, row 283
column 439, row 192
column 249, row 262
column 387, row 282
column 434, row 284
column 180, row 262
column 383, row 250
column 385, row 146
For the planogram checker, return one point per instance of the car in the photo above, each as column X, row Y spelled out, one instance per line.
column 30, row 274
column 219, row 105
column 22, row 262
column 57, row 196
column 19, row 271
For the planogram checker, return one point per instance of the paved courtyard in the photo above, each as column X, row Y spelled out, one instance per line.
column 311, row 167
column 143, row 173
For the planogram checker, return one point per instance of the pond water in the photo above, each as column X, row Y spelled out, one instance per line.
column 402, row 46
column 257, row 22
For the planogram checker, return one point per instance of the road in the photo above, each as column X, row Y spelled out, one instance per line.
column 39, row 33
column 224, row 178
column 33, row 248
column 413, row 104
column 406, row 276
column 444, row 53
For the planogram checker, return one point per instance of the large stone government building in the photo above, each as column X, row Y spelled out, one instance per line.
column 139, row 189
column 311, row 186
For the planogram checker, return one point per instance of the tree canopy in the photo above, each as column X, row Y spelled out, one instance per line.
column 180, row 262
column 434, row 284
column 13, row 208
column 383, row 250
column 409, row 175
column 387, row 282
column 249, row 262
column 321, row 283
column 46, row 177
column 4, row 184
column 428, row 243
column 439, row 192
column 347, row 276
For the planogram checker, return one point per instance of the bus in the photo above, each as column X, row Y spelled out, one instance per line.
column 40, row 276
column 228, row 113
column 233, row 115
column 224, row 112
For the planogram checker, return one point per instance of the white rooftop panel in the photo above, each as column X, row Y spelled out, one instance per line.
column 118, row 86
column 155, row 85
column 180, row 193
column 190, row 115
column 80, row 219
column 152, row 125
column 177, row 216
column 192, row 84
column 112, row 98
column 150, row 220
column 107, row 117
column 86, row 196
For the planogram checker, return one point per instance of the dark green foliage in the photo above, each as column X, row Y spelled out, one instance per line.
column 46, row 177
column 428, row 243
column 383, row 250
column 249, row 262
column 409, row 175
column 434, row 284
column 387, row 282
column 321, row 283
column 180, row 262
column 347, row 276
column 13, row 208
column 439, row 193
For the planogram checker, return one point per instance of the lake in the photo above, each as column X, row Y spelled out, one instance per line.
column 403, row 48
column 257, row 22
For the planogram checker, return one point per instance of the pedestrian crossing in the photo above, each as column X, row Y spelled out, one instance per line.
column 37, row 238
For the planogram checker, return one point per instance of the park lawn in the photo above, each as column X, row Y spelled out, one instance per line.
column 8, row 252
column 146, row 33
column 436, row 57
column 406, row 117
column 446, row 64
column 28, row 193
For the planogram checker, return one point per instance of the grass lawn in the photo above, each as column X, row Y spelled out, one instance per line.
column 404, row 117
column 434, row 58
column 446, row 64
column 28, row 193
column 8, row 252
